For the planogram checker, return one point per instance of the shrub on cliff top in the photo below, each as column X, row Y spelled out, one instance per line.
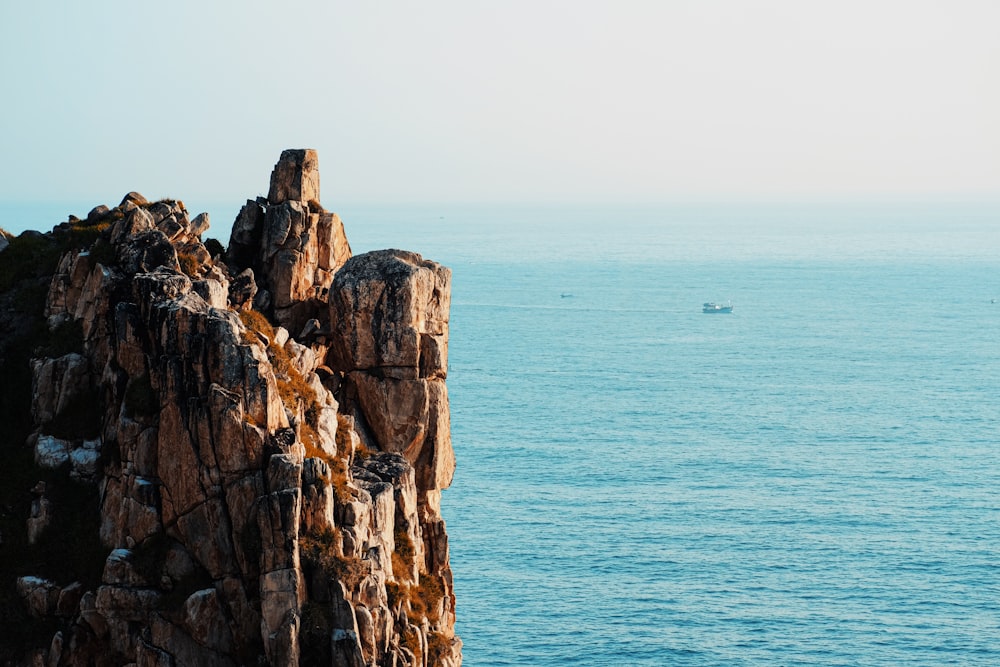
column 162, row 201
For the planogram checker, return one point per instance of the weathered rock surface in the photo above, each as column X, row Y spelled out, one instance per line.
column 389, row 335
column 263, row 499
column 290, row 242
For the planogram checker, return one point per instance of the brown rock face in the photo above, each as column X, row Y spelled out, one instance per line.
column 387, row 308
column 389, row 335
column 295, row 177
column 263, row 500
column 292, row 245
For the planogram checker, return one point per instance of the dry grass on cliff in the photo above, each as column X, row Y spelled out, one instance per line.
column 346, row 433
column 402, row 557
column 324, row 551
column 339, row 479
column 429, row 593
column 255, row 321
column 438, row 646
column 422, row 599
column 411, row 641
column 292, row 387
column 338, row 469
column 402, row 591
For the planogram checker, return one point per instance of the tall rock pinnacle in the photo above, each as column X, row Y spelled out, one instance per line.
column 290, row 243
column 295, row 177
column 264, row 436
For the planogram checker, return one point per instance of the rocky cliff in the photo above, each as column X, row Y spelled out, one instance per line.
column 234, row 456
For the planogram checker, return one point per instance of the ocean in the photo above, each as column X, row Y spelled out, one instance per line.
column 810, row 480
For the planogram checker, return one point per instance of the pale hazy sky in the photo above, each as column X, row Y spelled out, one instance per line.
column 465, row 100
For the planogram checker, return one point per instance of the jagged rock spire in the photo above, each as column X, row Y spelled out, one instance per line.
column 292, row 245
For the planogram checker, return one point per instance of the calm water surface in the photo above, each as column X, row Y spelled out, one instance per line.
column 808, row 481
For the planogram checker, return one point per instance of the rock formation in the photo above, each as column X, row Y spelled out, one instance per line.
column 291, row 243
column 258, row 442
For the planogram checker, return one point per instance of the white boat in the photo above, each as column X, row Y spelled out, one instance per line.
column 712, row 307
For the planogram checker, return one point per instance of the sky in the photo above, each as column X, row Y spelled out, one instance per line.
column 514, row 101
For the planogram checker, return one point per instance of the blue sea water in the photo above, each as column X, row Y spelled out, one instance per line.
column 812, row 480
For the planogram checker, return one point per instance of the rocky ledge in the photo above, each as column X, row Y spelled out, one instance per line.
column 234, row 456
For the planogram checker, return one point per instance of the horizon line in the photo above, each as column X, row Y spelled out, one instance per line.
column 718, row 198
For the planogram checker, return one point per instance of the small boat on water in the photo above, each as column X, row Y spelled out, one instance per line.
column 712, row 307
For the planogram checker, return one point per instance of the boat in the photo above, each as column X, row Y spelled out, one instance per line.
column 712, row 307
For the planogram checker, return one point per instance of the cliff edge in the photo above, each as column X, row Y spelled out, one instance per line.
column 233, row 456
